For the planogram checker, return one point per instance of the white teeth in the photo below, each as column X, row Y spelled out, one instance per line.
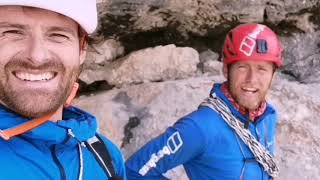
column 249, row 89
column 34, row 77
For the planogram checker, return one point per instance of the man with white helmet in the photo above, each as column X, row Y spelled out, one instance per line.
column 232, row 134
column 42, row 47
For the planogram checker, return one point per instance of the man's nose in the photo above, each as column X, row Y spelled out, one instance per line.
column 251, row 75
column 37, row 51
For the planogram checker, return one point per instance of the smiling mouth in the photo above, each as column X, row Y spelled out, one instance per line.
column 249, row 89
column 34, row 77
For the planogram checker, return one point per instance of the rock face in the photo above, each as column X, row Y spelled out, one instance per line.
column 148, row 65
column 144, row 23
column 202, row 25
column 152, row 62
column 298, row 131
column 303, row 57
column 197, row 16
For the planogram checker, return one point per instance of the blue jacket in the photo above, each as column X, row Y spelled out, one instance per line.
column 49, row 152
column 206, row 146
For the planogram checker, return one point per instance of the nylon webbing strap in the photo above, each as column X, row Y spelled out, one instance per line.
column 102, row 155
column 260, row 152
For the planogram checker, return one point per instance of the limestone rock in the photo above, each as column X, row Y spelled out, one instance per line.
column 99, row 55
column 277, row 11
column 302, row 57
column 102, row 52
column 209, row 63
column 91, row 75
column 127, row 18
column 298, row 139
column 153, row 64
column 192, row 15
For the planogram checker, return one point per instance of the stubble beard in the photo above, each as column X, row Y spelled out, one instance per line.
column 37, row 103
column 250, row 105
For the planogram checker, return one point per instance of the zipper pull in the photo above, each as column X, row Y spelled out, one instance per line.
column 70, row 133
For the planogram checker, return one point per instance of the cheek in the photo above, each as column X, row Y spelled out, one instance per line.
column 266, row 80
column 71, row 64
column 235, row 79
column 6, row 54
column 70, row 57
column 234, row 84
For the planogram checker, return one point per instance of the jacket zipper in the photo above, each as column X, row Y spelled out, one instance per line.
column 57, row 162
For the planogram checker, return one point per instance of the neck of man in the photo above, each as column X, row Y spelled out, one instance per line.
column 54, row 118
column 57, row 115
column 252, row 114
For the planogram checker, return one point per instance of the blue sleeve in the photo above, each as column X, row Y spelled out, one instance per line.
column 117, row 157
column 177, row 145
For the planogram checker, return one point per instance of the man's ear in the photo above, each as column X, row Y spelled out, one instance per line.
column 225, row 71
column 83, row 52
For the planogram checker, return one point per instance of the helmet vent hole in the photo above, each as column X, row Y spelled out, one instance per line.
column 262, row 46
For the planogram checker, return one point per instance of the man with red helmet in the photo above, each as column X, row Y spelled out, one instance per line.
column 232, row 133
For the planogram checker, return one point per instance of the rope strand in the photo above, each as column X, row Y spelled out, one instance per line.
column 261, row 154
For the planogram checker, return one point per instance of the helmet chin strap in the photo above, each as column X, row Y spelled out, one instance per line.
column 34, row 123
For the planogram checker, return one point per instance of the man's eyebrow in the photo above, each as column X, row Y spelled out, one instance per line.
column 6, row 24
column 63, row 29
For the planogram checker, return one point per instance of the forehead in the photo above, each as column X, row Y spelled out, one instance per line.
column 254, row 63
column 34, row 16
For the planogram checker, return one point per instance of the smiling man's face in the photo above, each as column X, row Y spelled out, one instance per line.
column 249, row 82
column 40, row 59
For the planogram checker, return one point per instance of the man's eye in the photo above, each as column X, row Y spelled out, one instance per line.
column 59, row 37
column 241, row 67
column 262, row 69
column 12, row 33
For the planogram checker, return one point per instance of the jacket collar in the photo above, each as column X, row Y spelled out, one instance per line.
column 82, row 124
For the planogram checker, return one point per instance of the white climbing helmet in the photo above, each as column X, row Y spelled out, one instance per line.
column 84, row 12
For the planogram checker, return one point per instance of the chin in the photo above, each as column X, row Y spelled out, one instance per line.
column 252, row 108
column 250, row 105
column 30, row 114
column 34, row 112
column 37, row 106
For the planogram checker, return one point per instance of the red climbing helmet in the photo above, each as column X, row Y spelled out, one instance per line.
column 252, row 42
